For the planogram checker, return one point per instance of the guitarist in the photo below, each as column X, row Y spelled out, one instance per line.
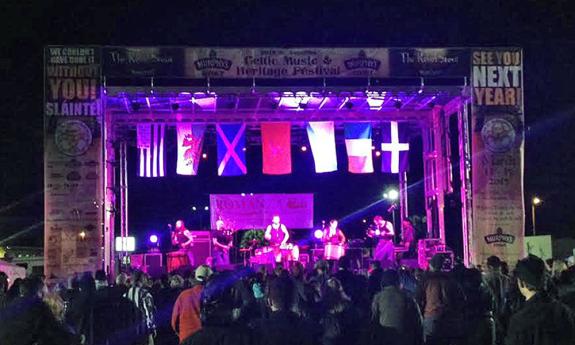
column 183, row 238
column 222, row 239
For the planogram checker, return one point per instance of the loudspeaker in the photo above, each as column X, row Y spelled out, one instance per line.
column 202, row 248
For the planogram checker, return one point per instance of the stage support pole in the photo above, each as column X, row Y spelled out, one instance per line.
column 428, row 178
column 465, row 175
column 109, row 204
column 403, row 203
column 441, row 168
column 123, row 192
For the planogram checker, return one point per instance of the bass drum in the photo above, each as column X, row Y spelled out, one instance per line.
column 333, row 251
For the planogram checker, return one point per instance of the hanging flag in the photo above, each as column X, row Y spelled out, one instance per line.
column 321, row 137
column 231, row 154
column 394, row 147
column 151, row 149
column 358, row 147
column 190, row 140
column 276, row 147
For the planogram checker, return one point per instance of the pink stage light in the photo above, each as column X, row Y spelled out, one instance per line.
column 154, row 239
column 318, row 234
column 377, row 153
column 304, row 148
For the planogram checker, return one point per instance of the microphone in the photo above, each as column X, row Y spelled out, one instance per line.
column 391, row 208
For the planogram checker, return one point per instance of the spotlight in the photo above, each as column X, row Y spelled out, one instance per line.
column 244, row 149
column 397, row 103
column 318, row 234
column 175, row 106
column 536, row 201
column 243, row 194
column 204, row 155
column 304, row 148
column 364, row 220
column 391, row 194
column 373, row 148
column 302, row 105
column 377, row 153
column 194, row 208
column 82, row 234
column 153, row 239
column 206, row 208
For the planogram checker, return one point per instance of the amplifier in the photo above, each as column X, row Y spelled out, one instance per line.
column 202, row 248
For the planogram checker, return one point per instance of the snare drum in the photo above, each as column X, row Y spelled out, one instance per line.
column 176, row 260
column 333, row 251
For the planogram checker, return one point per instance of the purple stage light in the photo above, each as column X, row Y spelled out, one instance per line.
column 318, row 234
column 153, row 239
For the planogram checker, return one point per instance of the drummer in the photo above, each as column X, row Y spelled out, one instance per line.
column 277, row 235
column 383, row 231
column 333, row 235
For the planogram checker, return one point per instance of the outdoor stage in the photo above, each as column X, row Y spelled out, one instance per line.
column 99, row 101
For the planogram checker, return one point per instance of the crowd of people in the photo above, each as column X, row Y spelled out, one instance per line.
column 327, row 305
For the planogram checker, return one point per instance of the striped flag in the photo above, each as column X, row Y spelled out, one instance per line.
column 151, row 149
column 321, row 137
column 231, row 154
column 190, row 140
column 394, row 148
column 276, row 147
column 358, row 147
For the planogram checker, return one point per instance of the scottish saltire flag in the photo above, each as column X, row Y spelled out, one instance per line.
column 321, row 137
column 190, row 140
column 276, row 147
column 358, row 147
column 150, row 137
column 394, row 147
column 231, row 154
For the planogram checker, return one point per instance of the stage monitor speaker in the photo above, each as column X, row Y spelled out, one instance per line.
column 202, row 248
column 137, row 261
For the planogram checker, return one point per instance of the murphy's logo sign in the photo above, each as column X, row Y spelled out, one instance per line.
column 213, row 62
column 362, row 62
column 499, row 238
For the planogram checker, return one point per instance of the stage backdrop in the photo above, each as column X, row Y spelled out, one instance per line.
column 497, row 151
column 72, row 160
column 255, row 211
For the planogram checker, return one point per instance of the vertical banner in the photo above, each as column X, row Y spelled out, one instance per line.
column 190, row 142
column 497, row 154
column 321, row 135
column 72, row 161
column 276, row 148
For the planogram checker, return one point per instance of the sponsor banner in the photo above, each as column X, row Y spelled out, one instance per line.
column 429, row 62
column 280, row 63
column 497, row 154
column 72, row 161
column 143, row 61
column 255, row 211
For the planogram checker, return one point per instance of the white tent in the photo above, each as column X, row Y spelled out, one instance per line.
column 13, row 271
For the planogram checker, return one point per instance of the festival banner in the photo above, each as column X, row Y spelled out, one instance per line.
column 497, row 154
column 286, row 63
column 429, row 62
column 143, row 61
column 255, row 211
column 72, row 161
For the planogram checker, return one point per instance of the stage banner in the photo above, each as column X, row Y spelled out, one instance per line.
column 190, row 142
column 394, row 147
column 276, row 148
column 497, row 154
column 150, row 139
column 255, row 211
column 231, row 149
column 72, row 161
column 143, row 61
column 285, row 63
column 358, row 147
column 321, row 135
column 429, row 62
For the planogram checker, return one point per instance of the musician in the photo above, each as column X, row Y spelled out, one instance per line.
column 408, row 235
column 183, row 239
column 277, row 235
column 333, row 234
column 222, row 239
column 382, row 230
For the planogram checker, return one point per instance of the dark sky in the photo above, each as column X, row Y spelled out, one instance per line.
column 545, row 29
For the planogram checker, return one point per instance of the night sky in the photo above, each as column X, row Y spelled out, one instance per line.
column 544, row 29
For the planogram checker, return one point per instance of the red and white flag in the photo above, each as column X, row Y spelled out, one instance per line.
column 151, row 149
column 190, row 140
column 276, row 147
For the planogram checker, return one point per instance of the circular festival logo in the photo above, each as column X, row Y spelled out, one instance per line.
column 498, row 135
column 73, row 137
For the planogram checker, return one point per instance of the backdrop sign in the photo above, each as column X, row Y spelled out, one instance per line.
column 429, row 62
column 72, row 161
column 255, row 211
column 497, row 153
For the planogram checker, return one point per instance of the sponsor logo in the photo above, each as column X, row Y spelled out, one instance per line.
column 498, row 135
column 74, row 176
column 362, row 62
column 213, row 62
column 499, row 238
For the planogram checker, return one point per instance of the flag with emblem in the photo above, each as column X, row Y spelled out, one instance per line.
column 190, row 140
column 394, row 147
column 276, row 147
column 358, row 147
column 150, row 140
column 231, row 149
column 321, row 135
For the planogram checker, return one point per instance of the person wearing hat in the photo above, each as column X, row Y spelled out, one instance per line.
column 186, row 313
column 542, row 320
